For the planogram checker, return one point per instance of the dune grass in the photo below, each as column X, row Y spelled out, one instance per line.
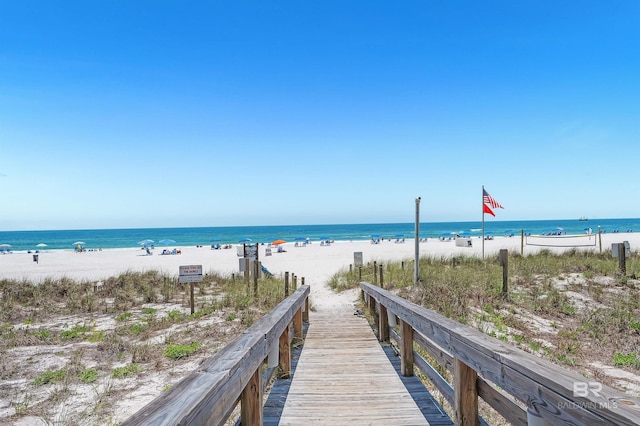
column 587, row 311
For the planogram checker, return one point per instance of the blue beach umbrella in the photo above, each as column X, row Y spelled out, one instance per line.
column 145, row 243
column 301, row 238
column 325, row 237
column 167, row 241
column 245, row 240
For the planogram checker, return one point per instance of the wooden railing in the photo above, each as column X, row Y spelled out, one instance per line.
column 235, row 374
column 498, row 373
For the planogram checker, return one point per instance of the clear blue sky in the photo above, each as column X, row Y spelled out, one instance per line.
column 208, row 113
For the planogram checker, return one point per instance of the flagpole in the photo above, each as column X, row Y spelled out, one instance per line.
column 483, row 221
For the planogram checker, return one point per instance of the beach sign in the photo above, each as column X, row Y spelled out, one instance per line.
column 357, row 258
column 190, row 274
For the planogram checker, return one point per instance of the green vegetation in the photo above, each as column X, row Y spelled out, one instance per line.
column 88, row 376
column 606, row 314
column 176, row 352
column 50, row 376
column 126, row 371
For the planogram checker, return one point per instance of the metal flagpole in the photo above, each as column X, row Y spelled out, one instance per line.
column 416, row 266
column 483, row 221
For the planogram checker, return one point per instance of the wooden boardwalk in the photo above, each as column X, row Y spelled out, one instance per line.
column 343, row 377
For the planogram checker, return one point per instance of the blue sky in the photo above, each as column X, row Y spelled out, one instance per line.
column 165, row 113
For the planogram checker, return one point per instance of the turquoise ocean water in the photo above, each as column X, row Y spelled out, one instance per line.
column 123, row 238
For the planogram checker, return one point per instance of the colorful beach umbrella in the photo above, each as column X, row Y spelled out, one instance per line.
column 277, row 242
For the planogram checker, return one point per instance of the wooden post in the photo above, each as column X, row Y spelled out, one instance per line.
column 305, row 313
column 383, row 324
column 193, row 305
column 284, row 360
column 406, row 349
column 350, row 267
column 375, row 273
column 372, row 305
column 251, row 400
column 294, row 282
column 297, row 324
column 359, row 273
column 622, row 259
column 381, row 277
column 522, row 243
column 302, row 281
column 466, row 394
column 247, row 272
column 504, row 262
column 402, row 265
column 286, row 284
column 600, row 238
column 256, row 272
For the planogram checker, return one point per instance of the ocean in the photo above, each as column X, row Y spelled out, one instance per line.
column 123, row 238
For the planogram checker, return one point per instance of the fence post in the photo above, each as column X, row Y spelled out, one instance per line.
column 381, row 277
column 286, row 284
column 305, row 312
column 406, row 349
column 383, row 324
column 247, row 272
column 285, row 354
column 375, row 273
column 294, row 282
column 504, row 262
column 251, row 400
column 256, row 272
column 522, row 243
column 600, row 238
column 297, row 324
column 466, row 393
column 359, row 273
column 622, row 259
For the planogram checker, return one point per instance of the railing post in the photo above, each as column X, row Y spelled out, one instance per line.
column 284, row 360
column 305, row 311
column 466, row 393
column 297, row 324
column 375, row 273
column 406, row 349
column 286, row 284
column 251, row 400
column 381, row 277
column 383, row 324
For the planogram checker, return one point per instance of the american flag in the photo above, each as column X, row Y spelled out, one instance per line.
column 486, row 198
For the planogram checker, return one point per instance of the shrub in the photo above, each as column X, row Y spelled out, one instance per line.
column 181, row 351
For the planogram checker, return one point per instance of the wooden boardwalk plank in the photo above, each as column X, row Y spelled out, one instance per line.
column 343, row 377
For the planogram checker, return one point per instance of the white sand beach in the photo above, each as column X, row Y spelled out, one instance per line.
column 314, row 261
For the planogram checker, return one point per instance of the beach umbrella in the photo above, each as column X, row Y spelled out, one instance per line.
column 79, row 243
column 301, row 238
column 245, row 240
column 5, row 247
column 277, row 242
column 214, row 240
column 145, row 243
column 325, row 237
column 41, row 245
column 167, row 241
